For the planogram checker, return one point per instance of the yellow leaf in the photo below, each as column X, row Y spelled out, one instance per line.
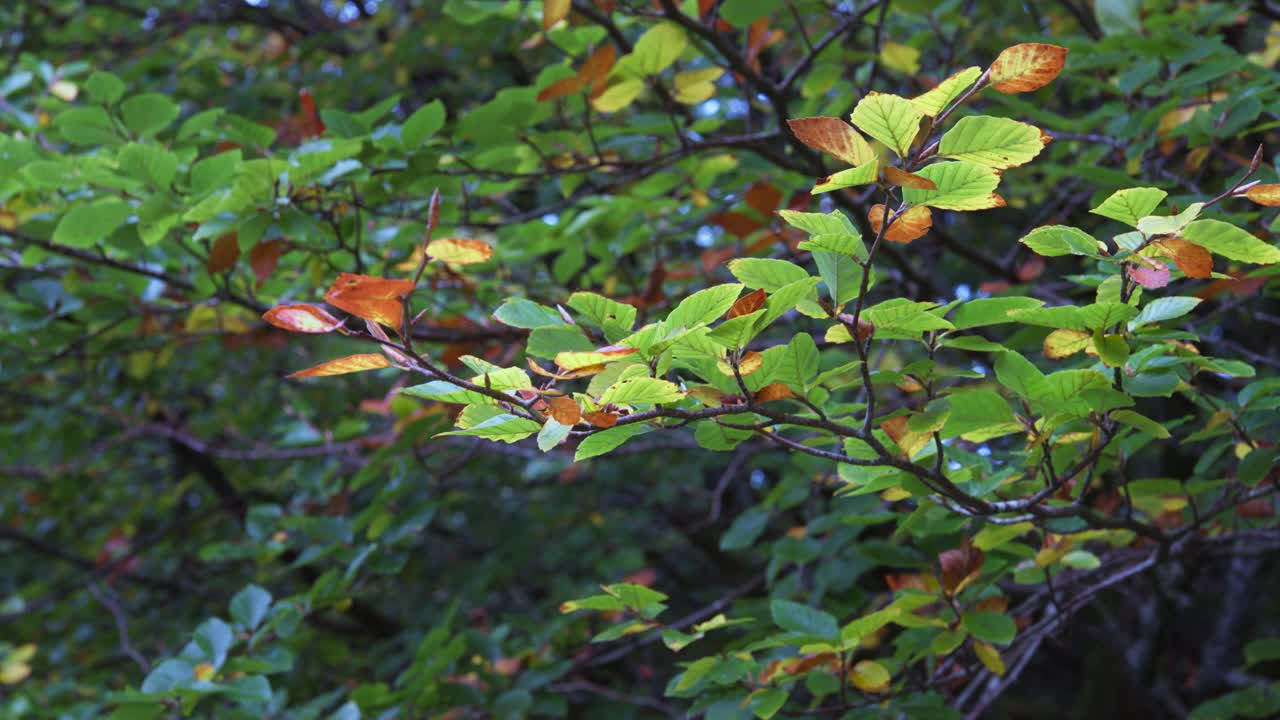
column 460, row 251
column 695, row 86
column 577, row 360
column 990, row 657
column 553, row 11
column 869, row 676
column 348, row 364
column 204, row 671
column 1268, row 195
column 64, row 90
column 618, row 95
column 903, row 58
column 1063, row 343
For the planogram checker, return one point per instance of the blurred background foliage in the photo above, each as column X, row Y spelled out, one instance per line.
column 178, row 518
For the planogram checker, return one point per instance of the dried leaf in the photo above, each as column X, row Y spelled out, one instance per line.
column 223, row 255
column 372, row 298
column 834, row 137
column 747, row 304
column 264, row 257
column 348, row 364
column 1191, row 259
column 1026, row 67
column 553, row 11
column 897, row 176
column 601, row 419
column 302, row 318
column 912, row 224
column 564, row 410
column 960, row 566
column 774, row 391
column 1268, row 195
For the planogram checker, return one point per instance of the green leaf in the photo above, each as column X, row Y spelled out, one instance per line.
column 990, row 311
column 1057, row 240
column 991, row 537
column 422, row 124
column 841, row 274
column 992, row 141
column 890, row 119
column 606, row 440
column 169, row 675
column 657, row 49
column 1256, row 465
column 741, row 13
column 766, row 703
column 1112, row 349
column 1262, row 650
column 552, row 434
column 148, row 113
column 85, row 225
column 936, row 100
column 766, row 273
column 1161, row 225
column 1020, row 375
column 87, row 126
column 504, row 427
column 1165, row 308
column 1140, row 422
column 642, row 390
column 105, row 87
column 547, row 342
column 704, row 306
column 1231, row 242
column 853, row 177
column 522, row 313
column 614, row 318
column 249, row 606
column 900, row 317
column 990, row 626
column 1130, row 206
column 799, row 618
column 745, row 530
column 980, row 415
column 962, row 185
column 148, row 163
column 832, row 223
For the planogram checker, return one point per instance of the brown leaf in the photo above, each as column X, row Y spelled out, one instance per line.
column 902, row 178
column 774, row 391
column 553, row 11
column 834, row 137
column 1151, row 276
column 595, row 70
column 264, row 257
column 1268, row 195
column 302, row 318
column 960, row 566
column 747, row 304
column 560, row 88
column 372, row 298
column 564, row 410
column 763, row 198
column 601, row 419
column 1193, row 260
column 736, row 223
column 912, row 224
column 348, row 364
column 1026, row 67
column 223, row 255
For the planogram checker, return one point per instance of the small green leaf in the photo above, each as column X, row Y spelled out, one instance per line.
column 422, row 124
column 1058, row 240
column 148, row 113
column 992, row 141
column 890, row 119
column 1231, row 242
column 85, row 225
column 799, row 618
column 1130, row 206
column 990, row 626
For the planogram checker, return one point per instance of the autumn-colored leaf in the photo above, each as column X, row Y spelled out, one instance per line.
column 736, row 223
column 564, row 410
column 1026, row 67
column 460, row 251
column 203, row 672
column 223, row 255
column 747, row 304
column 601, row 419
column 763, row 198
column 960, row 566
column 595, row 69
column 302, row 318
column 902, row 178
column 372, row 298
column 1065, row 342
column 348, row 364
column 907, row 441
column 1268, row 195
column 774, row 391
column 870, row 676
column 585, row 371
column 749, row 363
column 560, row 88
column 912, row 224
column 553, row 11
column 834, row 137
column 1193, row 260
column 264, row 257
column 1150, row 274
column 309, row 122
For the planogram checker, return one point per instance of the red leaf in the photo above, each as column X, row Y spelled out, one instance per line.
column 264, row 257
column 223, row 255
column 1152, row 276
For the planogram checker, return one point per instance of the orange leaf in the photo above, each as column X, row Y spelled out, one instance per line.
column 902, row 178
column 834, row 137
column 1026, row 67
column 372, row 298
column 1268, row 195
column 460, row 251
column 564, row 410
column 348, row 364
column 601, row 419
column 553, row 11
column 775, row 391
column 264, row 257
column 595, row 70
column 907, row 441
column 747, row 304
column 225, row 252
column 302, row 318
column 1191, row 259
column 560, row 88
column 908, row 226
column 960, row 566
column 763, row 198
column 579, row 359
column 309, row 122
column 737, row 223
column 750, row 362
